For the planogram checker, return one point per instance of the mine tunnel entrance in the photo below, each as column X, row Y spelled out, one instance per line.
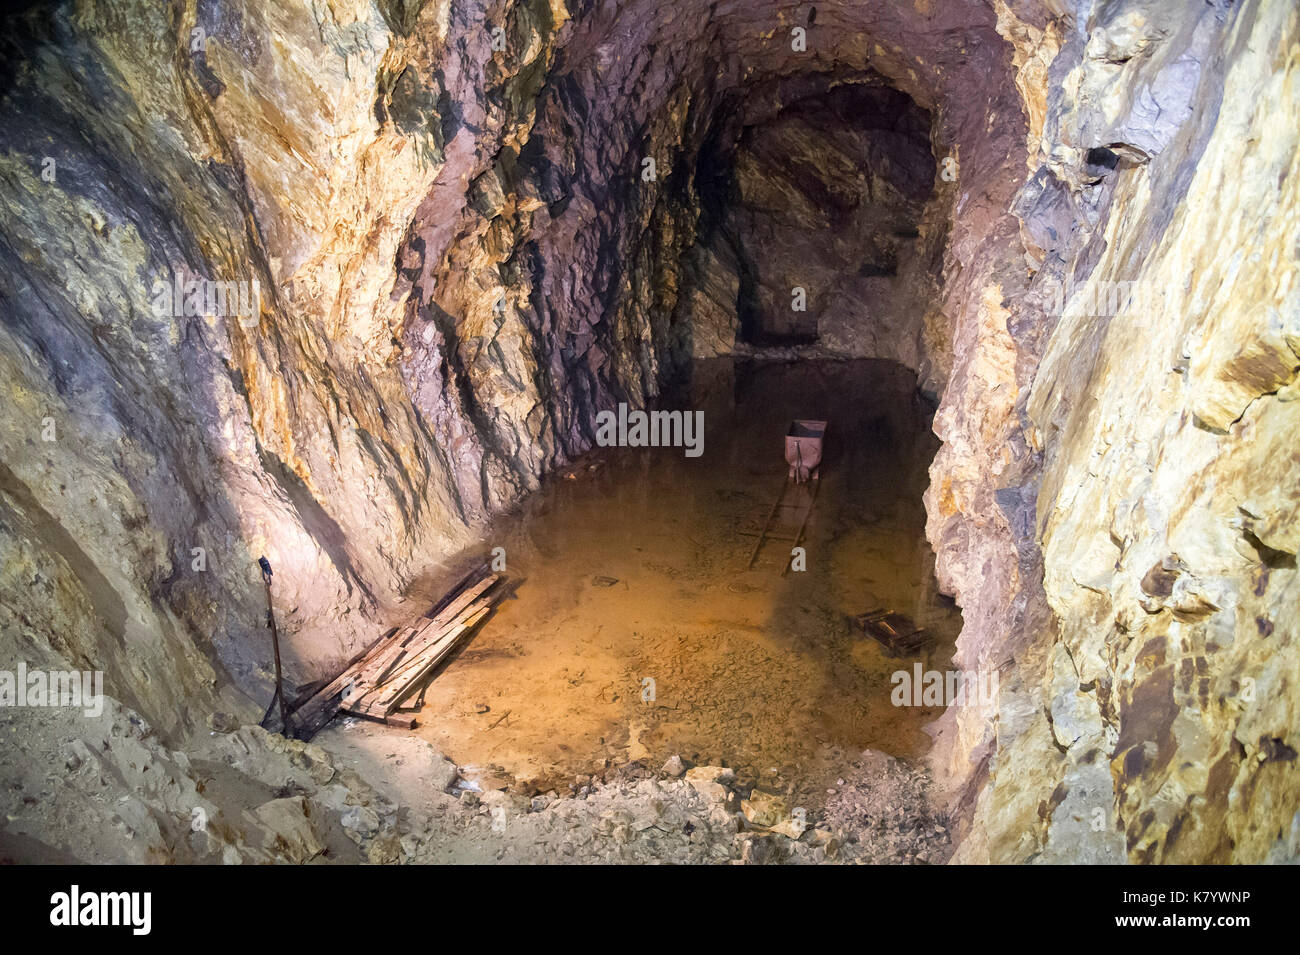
column 638, row 633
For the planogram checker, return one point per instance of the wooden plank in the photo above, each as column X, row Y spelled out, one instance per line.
column 403, row 635
column 454, row 609
column 373, row 692
column 366, row 686
column 407, row 681
column 312, row 716
column 406, row 721
column 365, row 675
column 475, row 573
column 430, row 630
column 411, row 671
column 406, row 678
column 307, row 703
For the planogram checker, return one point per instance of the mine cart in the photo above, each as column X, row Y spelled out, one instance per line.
column 803, row 449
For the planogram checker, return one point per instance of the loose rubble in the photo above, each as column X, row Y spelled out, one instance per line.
column 368, row 795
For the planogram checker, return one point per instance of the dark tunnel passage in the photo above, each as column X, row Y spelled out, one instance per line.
column 816, row 210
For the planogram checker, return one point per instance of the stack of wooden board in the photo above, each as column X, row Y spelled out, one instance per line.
column 895, row 632
column 395, row 668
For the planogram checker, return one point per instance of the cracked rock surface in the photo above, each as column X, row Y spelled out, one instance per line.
column 440, row 255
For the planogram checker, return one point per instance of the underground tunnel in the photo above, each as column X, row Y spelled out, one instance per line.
column 601, row 431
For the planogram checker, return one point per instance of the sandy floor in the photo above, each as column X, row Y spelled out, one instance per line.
column 632, row 568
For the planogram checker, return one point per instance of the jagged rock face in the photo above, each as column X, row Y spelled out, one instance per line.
column 818, row 222
column 1153, row 717
column 442, row 250
column 592, row 276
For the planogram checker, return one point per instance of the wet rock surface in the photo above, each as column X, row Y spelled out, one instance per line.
column 818, row 221
column 1134, row 729
column 438, row 256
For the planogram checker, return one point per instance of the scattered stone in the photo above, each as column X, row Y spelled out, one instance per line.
column 291, row 835
column 755, row 848
column 792, row 827
column 220, row 722
column 715, row 774
column 709, row 781
column 360, row 821
column 764, row 809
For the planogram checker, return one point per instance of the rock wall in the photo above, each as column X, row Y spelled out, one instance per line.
column 335, row 282
column 156, row 445
column 819, row 222
column 1150, row 716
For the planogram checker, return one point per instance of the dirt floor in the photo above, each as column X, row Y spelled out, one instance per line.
column 632, row 567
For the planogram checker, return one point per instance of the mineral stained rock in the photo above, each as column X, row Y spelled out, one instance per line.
column 1152, row 707
column 334, row 282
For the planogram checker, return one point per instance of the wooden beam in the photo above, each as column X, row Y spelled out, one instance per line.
column 389, row 655
column 404, row 683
